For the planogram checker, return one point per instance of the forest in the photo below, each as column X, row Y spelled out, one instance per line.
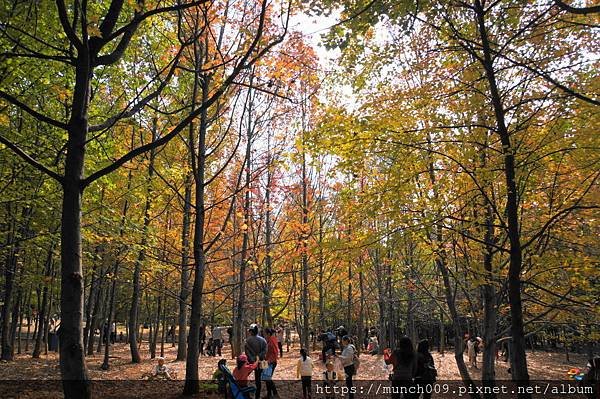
column 428, row 169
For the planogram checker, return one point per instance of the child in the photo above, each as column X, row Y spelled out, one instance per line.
column 304, row 372
column 161, row 371
column 243, row 370
column 219, row 378
column 330, row 378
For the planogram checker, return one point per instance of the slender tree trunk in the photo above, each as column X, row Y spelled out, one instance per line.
column 241, row 301
column 95, row 321
column 305, row 300
column 268, row 246
column 135, row 298
column 519, row 370
column 43, row 311
column 185, row 269
column 104, row 332
column 192, row 385
column 10, row 270
column 361, row 309
column 15, row 321
column 90, row 307
column 29, row 320
column 440, row 261
column 320, row 276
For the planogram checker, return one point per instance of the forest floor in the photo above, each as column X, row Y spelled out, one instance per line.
column 39, row 377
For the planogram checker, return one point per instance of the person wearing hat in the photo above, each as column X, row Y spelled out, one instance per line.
column 243, row 370
column 256, row 350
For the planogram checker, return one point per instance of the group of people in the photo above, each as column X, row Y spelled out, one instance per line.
column 211, row 340
column 262, row 349
column 261, row 352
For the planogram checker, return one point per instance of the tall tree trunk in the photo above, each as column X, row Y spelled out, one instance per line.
column 43, row 311
column 73, row 369
column 15, row 321
column 192, row 384
column 96, row 322
column 10, row 272
column 104, row 331
column 185, row 269
column 440, row 261
column 268, row 246
column 89, row 309
column 29, row 320
column 135, row 297
column 304, row 292
column 490, row 311
column 241, row 301
column 519, row 370
column 320, row 276
column 361, row 309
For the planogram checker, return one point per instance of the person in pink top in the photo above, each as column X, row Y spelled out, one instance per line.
column 243, row 370
column 271, row 358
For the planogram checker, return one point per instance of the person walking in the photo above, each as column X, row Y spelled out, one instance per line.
column 271, row 357
column 279, row 332
column 347, row 358
column 404, row 362
column 256, row 350
column 217, row 336
column 202, row 339
column 426, row 372
column 288, row 337
column 304, row 370
column 471, row 352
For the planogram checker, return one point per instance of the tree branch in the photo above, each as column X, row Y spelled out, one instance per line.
column 27, row 158
column 64, row 21
column 577, row 10
column 30, row 111
column 245, row 62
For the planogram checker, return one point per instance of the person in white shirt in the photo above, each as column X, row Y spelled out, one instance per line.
column 347, row 358
column 161, row 371
column 304, row 371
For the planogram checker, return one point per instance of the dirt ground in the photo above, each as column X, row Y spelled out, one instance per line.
column 38, row 377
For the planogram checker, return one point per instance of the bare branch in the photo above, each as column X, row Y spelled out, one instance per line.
column 30, row 111
column 27, row 158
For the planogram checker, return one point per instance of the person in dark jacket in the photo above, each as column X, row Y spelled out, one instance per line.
column 404, row 362
column 426, row 372
column 256, row 350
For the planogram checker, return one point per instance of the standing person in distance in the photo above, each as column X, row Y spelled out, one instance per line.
column 271, row 358
column 280, row 339
column 256, row 350
column 217, row 336
column 347, row 358
column 304, row 371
